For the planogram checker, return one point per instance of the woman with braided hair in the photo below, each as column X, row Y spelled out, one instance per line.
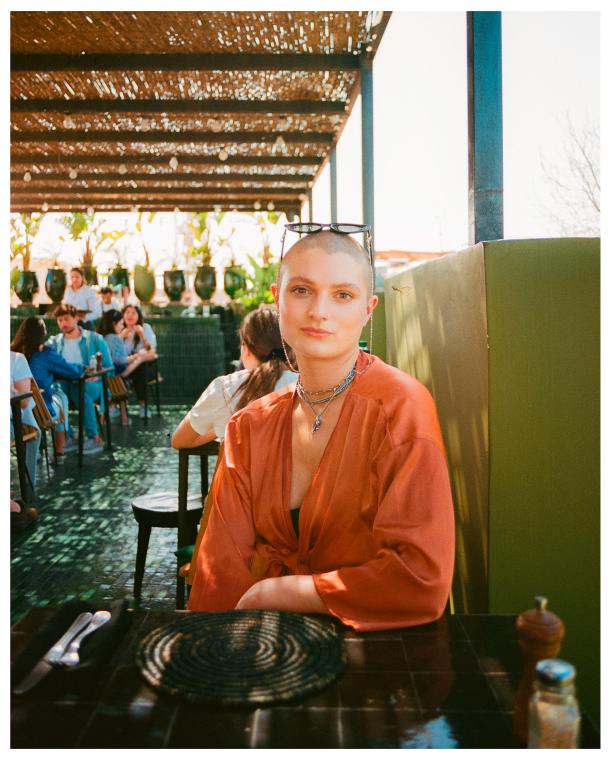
column 264, row 371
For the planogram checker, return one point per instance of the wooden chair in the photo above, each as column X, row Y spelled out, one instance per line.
column 21, row 435
column 155, row 381
column 45, row 421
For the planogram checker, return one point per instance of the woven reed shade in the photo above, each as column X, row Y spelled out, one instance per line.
column 259, row 97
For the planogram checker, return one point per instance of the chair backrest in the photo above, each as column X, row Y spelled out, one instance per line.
column 42, row 415
column 117, row 388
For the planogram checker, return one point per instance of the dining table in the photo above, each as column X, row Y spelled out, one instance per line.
column 446, row 684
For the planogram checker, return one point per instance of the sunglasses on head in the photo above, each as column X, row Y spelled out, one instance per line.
column 308, row 228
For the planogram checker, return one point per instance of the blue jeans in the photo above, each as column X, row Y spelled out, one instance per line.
column 93, row 394
column 60, row 401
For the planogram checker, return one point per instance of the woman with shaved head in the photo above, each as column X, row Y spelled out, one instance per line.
column 333, row 495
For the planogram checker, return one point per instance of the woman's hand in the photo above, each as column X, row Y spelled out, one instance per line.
column 291, row 593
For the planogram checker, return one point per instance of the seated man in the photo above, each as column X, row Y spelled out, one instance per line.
column 333, row 495
column 108, row 301
column 79, row 346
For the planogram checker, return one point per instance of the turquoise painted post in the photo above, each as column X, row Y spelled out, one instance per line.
column 366, row 69
column 484, row 87
column 333, row 182
column 310, row 209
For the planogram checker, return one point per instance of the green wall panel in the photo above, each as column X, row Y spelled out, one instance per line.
column 543, row 322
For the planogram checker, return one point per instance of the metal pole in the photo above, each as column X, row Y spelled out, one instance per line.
column 333, row 181
column 484, row 87
column 310, row 209
column 366, row 69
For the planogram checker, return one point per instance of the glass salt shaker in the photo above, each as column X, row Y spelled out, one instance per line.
column 554, row 718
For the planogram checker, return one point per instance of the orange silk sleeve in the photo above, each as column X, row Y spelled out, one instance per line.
column 222, row 575
column 407, row 581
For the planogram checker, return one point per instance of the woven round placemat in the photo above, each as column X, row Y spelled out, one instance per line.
column 241, row 656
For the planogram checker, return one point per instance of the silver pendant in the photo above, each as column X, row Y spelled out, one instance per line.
column 316, row 424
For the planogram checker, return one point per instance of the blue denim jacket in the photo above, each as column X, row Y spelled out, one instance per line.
column 89, row 344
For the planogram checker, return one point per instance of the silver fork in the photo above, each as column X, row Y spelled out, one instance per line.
column 71, row 656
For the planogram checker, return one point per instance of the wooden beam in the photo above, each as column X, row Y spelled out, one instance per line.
column 162, row 136
column 56, row 177
column 32, row 159
column 183, row 205
column 168, row 105
column 160, row 191
column 38, row 62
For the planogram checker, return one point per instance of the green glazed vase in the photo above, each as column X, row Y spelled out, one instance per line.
column 26, row 287
column 55, row 284
column 144, row 283
column 205, row 282
column 118, row 276
column 91, row 275
column 174, row 284
column 234, row 280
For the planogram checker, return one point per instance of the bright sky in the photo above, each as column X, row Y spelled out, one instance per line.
column 550, row 68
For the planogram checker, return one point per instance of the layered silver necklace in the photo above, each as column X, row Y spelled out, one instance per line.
column 326, row 396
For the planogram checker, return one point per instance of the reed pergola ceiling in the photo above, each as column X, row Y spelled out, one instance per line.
column 158, row 110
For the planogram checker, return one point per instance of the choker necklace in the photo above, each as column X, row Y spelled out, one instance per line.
column 328, row 394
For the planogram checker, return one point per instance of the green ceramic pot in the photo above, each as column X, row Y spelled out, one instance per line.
column 205, row 282
column 144, row 283
column 91, row 275
column 174, row 284
column 55, row 284
column 26, row 286
column 234, row 280
column 118, row 276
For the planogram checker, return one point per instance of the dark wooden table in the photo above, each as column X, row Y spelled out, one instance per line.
column 448, row 684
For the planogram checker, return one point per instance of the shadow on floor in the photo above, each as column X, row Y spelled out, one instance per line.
column 83, row 545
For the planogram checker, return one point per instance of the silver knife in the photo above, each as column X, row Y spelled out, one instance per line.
column 44, row 665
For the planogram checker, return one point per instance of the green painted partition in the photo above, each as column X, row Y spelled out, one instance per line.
column 506, row 337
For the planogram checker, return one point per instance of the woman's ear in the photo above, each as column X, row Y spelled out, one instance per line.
column 373, row 302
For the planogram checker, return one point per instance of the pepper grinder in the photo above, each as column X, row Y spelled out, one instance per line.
column 540, row 635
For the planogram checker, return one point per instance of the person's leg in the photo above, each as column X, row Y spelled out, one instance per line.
column 93, row 394
column 31, row 455
column 60, row 399
column 138, row 378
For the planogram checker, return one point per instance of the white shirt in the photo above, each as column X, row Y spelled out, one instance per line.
column 20, row 370
column 114, row 304
column 72, row 350
column 216, row 405
column 85, row 299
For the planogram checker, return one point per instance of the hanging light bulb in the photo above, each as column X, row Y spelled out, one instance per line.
column 145, row 125
column 122, row 169
column 174, row 163
column 257, row 205
column 223, row 155
column 176, row 210
column 284, row 124
column 217, row 209
column 27, row 177
column 45, row 207
column 215, row 125
column 73, row 174
column 134, row 209
column 68, row 122
column 270, row 206
column 279, row 144
column 91, row 211
column 302, row 196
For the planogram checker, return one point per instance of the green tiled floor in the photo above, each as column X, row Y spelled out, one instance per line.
column 84, row 542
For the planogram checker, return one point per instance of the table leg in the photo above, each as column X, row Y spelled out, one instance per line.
column 106, row 411
column 183, row 528
column 81, row 413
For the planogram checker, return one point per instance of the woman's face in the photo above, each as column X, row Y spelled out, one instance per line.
column 76, row 280
column 323, row 302
column 130, row 316
column 118, row 326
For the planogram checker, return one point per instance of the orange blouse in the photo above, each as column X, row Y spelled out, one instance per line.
column 376, row 527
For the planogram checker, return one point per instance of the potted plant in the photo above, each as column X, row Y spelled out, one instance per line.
column 233, row 276
column 119, row 274
column 24, row 281
column 144, row 275
column 84, row 225
column 174, row 280
column 55, row 282
column 205, row 276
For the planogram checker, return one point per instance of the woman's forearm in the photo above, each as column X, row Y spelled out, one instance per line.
column 185, row 437
column 291, row 593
